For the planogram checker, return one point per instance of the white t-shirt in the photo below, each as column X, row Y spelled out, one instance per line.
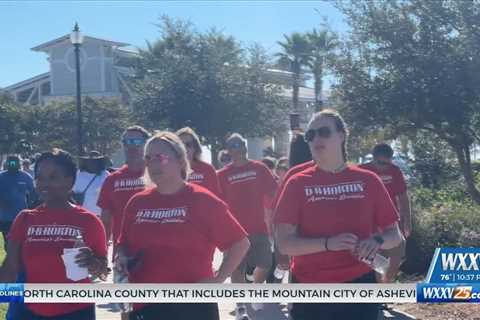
column 91, row 195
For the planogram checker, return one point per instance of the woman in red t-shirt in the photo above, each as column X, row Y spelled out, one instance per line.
column 202, row 173
column 171, row 231
column 333, row 218
column 38, row 238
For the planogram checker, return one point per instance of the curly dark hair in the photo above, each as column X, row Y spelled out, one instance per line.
column 61, row 158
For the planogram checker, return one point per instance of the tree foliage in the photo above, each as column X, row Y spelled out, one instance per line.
column 29, row 129
column 207, row 81
column 414, row 65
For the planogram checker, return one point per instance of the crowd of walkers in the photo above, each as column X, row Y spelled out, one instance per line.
column 166, row 211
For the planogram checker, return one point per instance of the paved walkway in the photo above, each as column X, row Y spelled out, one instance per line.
column 271, row 311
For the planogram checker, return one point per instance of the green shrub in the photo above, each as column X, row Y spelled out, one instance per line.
column 442, row 219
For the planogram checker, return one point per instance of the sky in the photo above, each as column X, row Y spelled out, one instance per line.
column 25, row 24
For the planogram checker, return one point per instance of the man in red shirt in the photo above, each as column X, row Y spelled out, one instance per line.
column 120, row 186
column 246, row 185
column 394, row 181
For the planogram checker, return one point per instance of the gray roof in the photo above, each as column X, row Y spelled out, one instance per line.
column 51, row 43
column 28, row 81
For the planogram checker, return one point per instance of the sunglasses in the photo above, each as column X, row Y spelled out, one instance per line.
column 162, row 158
column 322, row 132
column 234, row 145
column 133, row 141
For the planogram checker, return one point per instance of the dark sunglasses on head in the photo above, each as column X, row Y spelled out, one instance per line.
column 133, row 141
column 322, row 132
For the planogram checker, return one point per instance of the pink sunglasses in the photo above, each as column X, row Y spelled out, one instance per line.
column 163, row 158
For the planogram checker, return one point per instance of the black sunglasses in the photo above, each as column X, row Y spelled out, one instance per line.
column 322, row 132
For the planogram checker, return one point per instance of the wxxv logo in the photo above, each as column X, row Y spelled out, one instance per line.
column 444, row 293
column 460, row 261
column 457, row 266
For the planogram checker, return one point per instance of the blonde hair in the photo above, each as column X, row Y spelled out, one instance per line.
column 197, row 154
column 340, row 125
column 178, row 148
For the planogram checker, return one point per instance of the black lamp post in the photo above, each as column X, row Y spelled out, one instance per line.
column 77, row 38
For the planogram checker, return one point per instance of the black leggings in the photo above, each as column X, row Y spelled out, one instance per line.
column 177, row 311
column 338, row 311
column 84, row 314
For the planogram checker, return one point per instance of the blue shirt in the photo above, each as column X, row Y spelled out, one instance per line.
column 16, row 188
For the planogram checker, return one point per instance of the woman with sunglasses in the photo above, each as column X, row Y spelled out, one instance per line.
column 202, row 173
column 39, row 236
column 173, row 228
column 332, row 219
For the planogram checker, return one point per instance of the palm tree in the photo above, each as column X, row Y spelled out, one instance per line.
column 295, row 56
column 322, row 44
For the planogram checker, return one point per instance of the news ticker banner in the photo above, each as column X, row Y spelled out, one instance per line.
column 454, row 276
column 201, row 293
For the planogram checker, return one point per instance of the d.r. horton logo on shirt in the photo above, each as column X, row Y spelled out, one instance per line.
column 386, row 179
column 340, row 191
column 194, row 176
column 170, row 215
column 244, row 176
column 52, row 233
column 129, row 184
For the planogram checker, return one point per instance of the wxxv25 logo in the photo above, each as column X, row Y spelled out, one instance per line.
column 447, row 293
column 454, row 276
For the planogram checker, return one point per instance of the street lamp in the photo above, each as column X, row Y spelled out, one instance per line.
column 77, row 38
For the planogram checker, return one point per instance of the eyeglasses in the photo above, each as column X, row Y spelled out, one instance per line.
column 133, row 141
column 322, row 132
column 162, row 158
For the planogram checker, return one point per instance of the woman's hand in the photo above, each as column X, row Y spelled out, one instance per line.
column 343, row 241
column 97, row 266
column 367, row 249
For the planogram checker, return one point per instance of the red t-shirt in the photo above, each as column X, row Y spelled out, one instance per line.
column 244, row 189
column 43, row 233
column 391, row 177
column 290, row 173
column 176, row 235
column 117, row 189
column 203, row 174
column 323, row 204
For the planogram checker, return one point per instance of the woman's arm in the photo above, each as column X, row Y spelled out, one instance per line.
column 290, row 243
column 231, row 259
column 390, row 238
column 12, row 264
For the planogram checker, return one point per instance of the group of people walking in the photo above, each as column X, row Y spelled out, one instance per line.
column 166, row 212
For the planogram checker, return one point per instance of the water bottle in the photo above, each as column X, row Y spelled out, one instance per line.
column 379, row 263
column 120, row 277
column 278, row 273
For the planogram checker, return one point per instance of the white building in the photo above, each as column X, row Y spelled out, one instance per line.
column 104, row 65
